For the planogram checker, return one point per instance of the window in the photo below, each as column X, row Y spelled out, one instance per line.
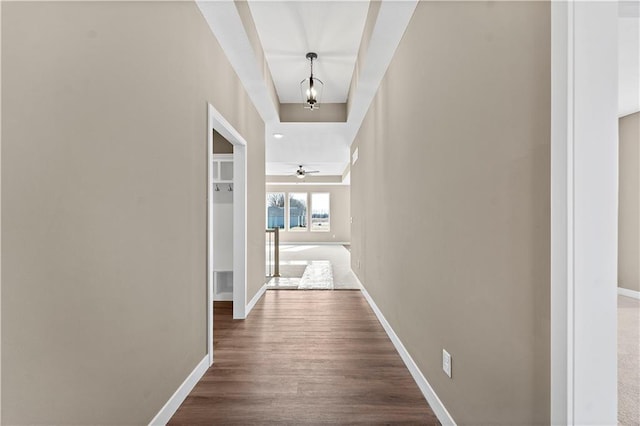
column 275, row 210
column 320, row 212
column 298, row 211
column 298, row 206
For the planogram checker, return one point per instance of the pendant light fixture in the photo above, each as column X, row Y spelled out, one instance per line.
column 311, row 88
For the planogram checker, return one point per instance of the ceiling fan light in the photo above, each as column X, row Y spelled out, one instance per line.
column 300, row 175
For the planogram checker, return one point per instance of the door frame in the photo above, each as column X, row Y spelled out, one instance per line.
column 217, row 121
column 584, row 207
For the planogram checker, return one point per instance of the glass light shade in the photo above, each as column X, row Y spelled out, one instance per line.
column 311, row 91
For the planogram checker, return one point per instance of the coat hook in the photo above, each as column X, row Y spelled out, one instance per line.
column 230, row 188
column 217, row 189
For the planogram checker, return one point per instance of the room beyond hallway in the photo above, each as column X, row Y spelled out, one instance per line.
column 305, row 357
column 314, row 267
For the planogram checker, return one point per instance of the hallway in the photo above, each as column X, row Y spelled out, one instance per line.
column 480, row 159
column 304, row 357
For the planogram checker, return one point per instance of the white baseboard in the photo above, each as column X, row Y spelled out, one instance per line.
column 629, row 293
column 255, row 299
column 172, row 405
column 436, row 404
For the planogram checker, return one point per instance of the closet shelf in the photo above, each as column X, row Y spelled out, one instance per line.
column 223, row 168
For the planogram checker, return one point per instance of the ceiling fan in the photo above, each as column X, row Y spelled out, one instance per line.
column 301, row 172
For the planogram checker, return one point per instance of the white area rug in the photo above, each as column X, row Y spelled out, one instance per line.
column 317, row 276
column 294, row 260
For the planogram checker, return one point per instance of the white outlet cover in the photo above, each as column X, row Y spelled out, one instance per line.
column 446, row 363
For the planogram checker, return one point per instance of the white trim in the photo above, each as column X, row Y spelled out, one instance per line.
column 225, row 128
column 256, row 298
column 217, row 121
column 562, row 146
column 584, row 192
column 239, row 230
column 172, row 405
column 629, row 293
column 210, row 276
column 430, row 395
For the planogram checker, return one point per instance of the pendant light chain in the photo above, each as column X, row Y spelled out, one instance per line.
column 311, row 87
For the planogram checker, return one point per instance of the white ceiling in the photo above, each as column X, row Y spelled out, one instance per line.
column 629, row 58
column 290, row 29
column 316, row 146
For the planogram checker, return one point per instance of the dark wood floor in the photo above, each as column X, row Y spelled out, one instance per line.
column 304, row 357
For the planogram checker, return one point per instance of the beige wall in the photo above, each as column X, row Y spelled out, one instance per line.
column 330, row 113
column 221, row 145
column 339, row 216
column 451, row 205
column 629, row 212
column 104, row 205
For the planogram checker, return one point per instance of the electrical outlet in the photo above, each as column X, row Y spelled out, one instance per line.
column 351, row 220
column 446, row 363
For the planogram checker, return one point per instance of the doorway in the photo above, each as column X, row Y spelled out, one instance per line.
column 222, row 219
column 226, row 220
